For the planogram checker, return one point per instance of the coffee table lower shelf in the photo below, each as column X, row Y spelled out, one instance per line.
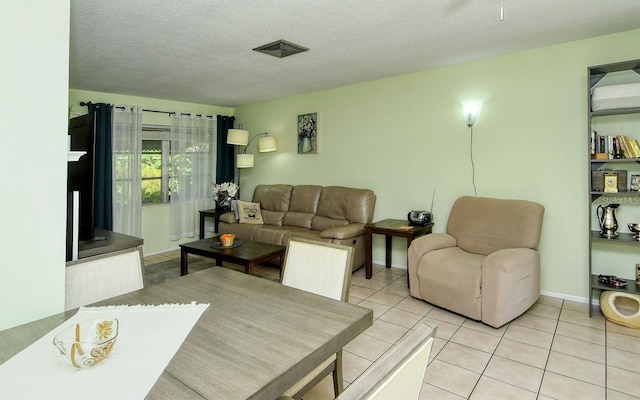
column 248, row 255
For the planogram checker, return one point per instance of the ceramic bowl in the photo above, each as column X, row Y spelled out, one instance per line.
column 87, row 343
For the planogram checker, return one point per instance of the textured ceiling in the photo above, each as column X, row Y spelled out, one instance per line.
column 200, row 51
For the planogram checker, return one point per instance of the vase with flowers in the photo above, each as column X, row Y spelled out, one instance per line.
column 223, row 194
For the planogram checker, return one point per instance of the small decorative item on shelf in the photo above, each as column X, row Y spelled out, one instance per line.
column 635, row 228
column 607, row 219
column 611, row 182
column 223, row 194
column 597, row 180
column 612, row 280
column 637, row 274
column 635, row 182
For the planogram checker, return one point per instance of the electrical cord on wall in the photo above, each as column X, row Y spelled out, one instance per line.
column 473, row 167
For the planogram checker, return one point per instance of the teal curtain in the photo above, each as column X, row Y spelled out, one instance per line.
column 225, row 157
column 103, row 175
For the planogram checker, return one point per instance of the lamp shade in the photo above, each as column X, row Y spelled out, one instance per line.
column 267, row 143
column 238, row 137
column 245, row 160
column 471, row 113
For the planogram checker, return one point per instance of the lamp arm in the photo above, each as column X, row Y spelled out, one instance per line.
column 244, row 151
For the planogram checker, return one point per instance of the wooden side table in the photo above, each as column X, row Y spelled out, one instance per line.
column 390, row 228
column 213, row 213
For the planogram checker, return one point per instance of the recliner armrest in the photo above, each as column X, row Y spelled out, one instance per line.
column 343, row 232
column 433, row 241
column 506, row 260
column 510, row 284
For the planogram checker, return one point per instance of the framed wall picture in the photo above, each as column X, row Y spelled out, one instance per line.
column 308, row 133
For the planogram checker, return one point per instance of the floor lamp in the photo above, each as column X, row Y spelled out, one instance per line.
column 240, row 137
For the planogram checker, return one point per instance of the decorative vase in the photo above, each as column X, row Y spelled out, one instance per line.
column 223, row 202
column 306, row 145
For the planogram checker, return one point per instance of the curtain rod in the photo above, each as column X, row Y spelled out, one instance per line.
column 83, row 104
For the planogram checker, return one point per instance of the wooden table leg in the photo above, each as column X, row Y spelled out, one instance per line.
column 201, row 226
column 388, row 251
column 367, row 251
column 184, row 261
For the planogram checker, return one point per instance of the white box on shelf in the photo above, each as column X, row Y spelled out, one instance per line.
column 615, row 97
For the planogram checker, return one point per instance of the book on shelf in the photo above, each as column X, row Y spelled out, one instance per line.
column 635, row 148
column 610, row 146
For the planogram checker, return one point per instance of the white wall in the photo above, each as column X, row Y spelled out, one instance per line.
column 33, row 126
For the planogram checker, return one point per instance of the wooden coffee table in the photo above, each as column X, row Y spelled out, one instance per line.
column 248, row 254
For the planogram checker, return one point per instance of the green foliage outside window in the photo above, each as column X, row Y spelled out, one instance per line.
column 151, row 177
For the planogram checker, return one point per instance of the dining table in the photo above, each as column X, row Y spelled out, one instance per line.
column 256, row 339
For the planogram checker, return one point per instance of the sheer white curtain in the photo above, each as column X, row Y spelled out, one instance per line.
column 127, row 147
column 193, row 149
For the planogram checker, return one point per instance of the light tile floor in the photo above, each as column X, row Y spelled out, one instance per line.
column 553, row 351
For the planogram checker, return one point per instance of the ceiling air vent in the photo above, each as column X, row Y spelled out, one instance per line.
column 281, row 48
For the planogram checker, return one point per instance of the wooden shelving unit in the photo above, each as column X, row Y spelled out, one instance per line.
column 622, row 239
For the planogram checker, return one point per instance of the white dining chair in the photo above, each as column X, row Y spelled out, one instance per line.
column 100, row 277
column 324, row 269
column 398, row 374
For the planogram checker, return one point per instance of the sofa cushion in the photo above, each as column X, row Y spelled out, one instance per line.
column 273, row 197
column 249, row 213
column 320, row 223
column 353, row 205
column 301, row 219
column 274, row 234
column 242, row 231
column 305, row 198
column 272, row 217
column 303, row 205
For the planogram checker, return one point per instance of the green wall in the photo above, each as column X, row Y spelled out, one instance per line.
column 155, row 219
column 404, row 136
column 33, row 111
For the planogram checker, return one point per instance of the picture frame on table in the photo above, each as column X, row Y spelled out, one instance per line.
column 308, row 133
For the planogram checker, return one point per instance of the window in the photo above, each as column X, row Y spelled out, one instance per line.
column 156, row 148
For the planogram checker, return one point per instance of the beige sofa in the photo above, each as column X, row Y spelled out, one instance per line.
column 486, row 266
column 333, row 214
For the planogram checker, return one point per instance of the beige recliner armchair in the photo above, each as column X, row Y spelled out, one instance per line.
column 487, row 266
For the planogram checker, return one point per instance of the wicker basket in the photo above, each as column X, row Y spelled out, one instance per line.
column 227, row 239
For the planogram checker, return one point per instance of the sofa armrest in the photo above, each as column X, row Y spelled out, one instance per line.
column 343, row 232
column 510, row 284
column 229, row 218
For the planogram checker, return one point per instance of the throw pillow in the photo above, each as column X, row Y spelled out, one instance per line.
column 249, row 213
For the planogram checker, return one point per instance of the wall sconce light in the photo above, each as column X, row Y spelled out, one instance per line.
column 471, row 113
